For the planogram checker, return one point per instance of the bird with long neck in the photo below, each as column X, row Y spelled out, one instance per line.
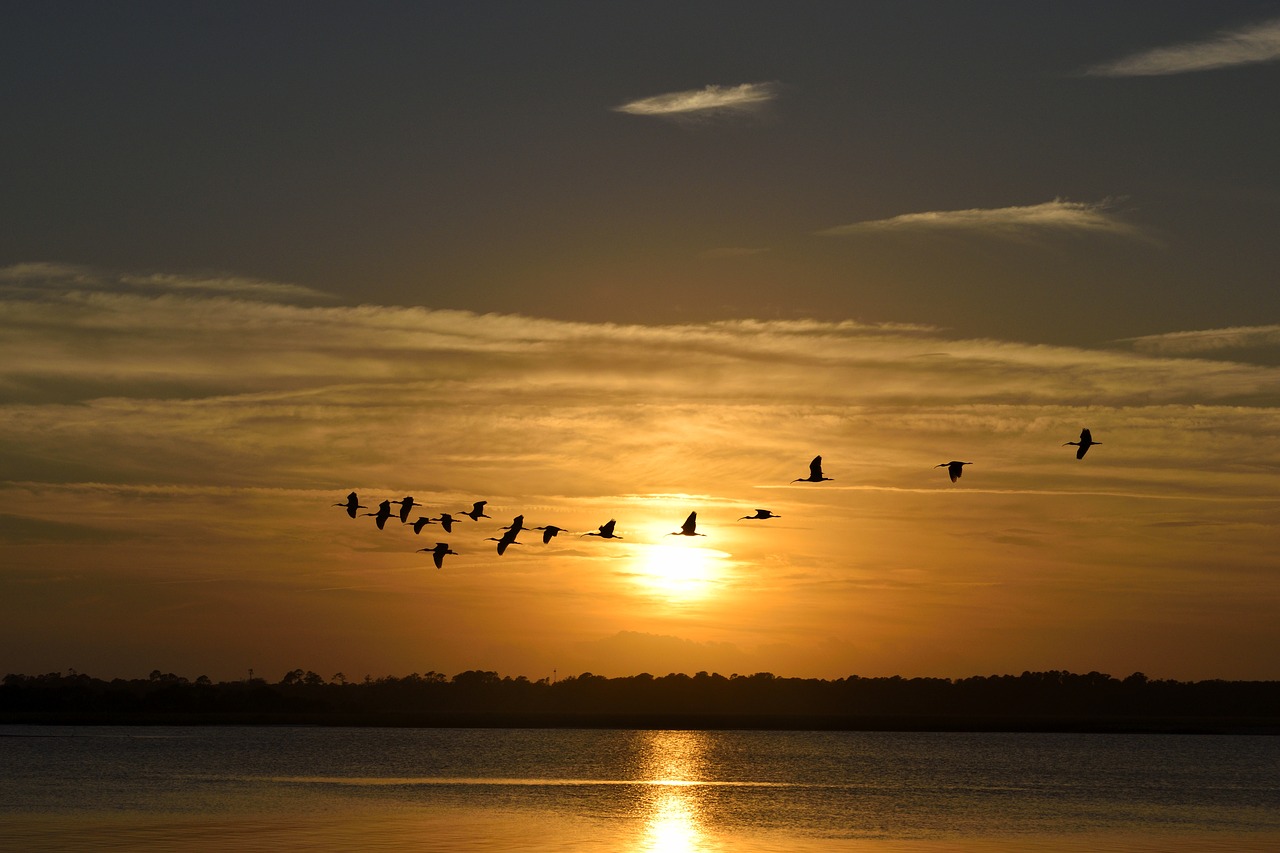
column 955, row 469
column 437, row 553
column 760, row 514
column 549, row 532
column 352, row 503
column 1086, row 441
column 689, row 528
column 606, row 531
column 383, row 513
column 815, row 473
column 406, row 506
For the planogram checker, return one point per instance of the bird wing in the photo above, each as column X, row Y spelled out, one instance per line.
column 606, row 529
column 690, row 524
column 815, row 468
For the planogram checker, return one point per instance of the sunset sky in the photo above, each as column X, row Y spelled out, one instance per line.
column 631, row 260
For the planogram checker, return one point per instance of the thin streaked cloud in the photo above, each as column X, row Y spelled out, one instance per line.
column 1008, row 222
column 1207, row 340
column 707, row 101
column 1229, row 48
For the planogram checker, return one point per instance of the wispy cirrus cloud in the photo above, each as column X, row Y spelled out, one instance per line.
column 1207, row 340
column 43, row 279
column 1016, row 223
column 705, row 102
column 1245, row 46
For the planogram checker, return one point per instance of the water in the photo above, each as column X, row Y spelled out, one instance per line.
column 340, row 789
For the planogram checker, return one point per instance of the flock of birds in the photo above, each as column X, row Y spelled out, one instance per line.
column 606, row 531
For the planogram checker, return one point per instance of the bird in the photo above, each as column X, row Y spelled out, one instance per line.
column 689, row 528
column 549, row 532
column 508, row 538
column 955, row 469
column 446, row 521
column 383, row 513
column 1086, row 441
column 438, row 553
column 477, row 511
column 606, row 531
column 352, row 503
column 761, row 513
column 405, row 506
column 815, row 472
column 516, row 525
column 422, row 522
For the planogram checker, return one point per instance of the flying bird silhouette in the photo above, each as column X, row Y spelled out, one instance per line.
column 352, row 503
column 477, row 511
column 508, row 538
column 1086, row 441
column 437, row 553
column 761, row 513
column 446, row 521
column 689, row 528
column 549, row 532
column 955, row 469
column 422, row 522
column 815, row 472
column 405, row 506
column 606, row 531
column 516, row 525
column 383, row 513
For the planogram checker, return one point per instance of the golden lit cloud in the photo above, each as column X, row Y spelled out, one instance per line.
column 1229, row 48
column 709, row 100
column 1008, row 222
column 1208, row 340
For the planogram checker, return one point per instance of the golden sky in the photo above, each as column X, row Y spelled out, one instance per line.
column 632, row 261
column 175, row 448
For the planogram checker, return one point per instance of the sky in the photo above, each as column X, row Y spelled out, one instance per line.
column 628, row 261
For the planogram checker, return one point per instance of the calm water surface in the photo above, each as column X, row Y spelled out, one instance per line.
column 331, row 789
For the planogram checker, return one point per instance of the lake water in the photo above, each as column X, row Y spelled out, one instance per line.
column 342, row 789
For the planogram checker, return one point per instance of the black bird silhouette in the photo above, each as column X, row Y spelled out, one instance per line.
column 352, row 503
column 508, row 538
column 689, row 528
column 405, row 506
column 477, row 511
column 446, row 521
column 815, row 472
column 606, row 531
column 549, row 532
column 955, row 469
column 1086, row 441
column 516, row 525
column 422, row 522
column 438, row 552
column 761, row 513
column 383, row 513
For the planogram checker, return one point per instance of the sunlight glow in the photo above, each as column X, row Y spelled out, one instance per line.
column 680, row 571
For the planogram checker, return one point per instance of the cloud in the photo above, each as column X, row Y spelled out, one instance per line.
column 1207, row 340
column 707, row 101
column 50, row 280
column 1229, row 48
column 1007, row 222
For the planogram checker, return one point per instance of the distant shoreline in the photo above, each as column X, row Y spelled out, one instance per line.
column 694, row 722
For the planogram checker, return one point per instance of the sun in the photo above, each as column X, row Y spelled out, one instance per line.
column 680, row 572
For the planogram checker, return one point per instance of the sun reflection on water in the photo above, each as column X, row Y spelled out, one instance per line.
column 674, row 814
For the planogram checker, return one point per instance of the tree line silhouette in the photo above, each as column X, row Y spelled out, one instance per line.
column 1054, row 700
